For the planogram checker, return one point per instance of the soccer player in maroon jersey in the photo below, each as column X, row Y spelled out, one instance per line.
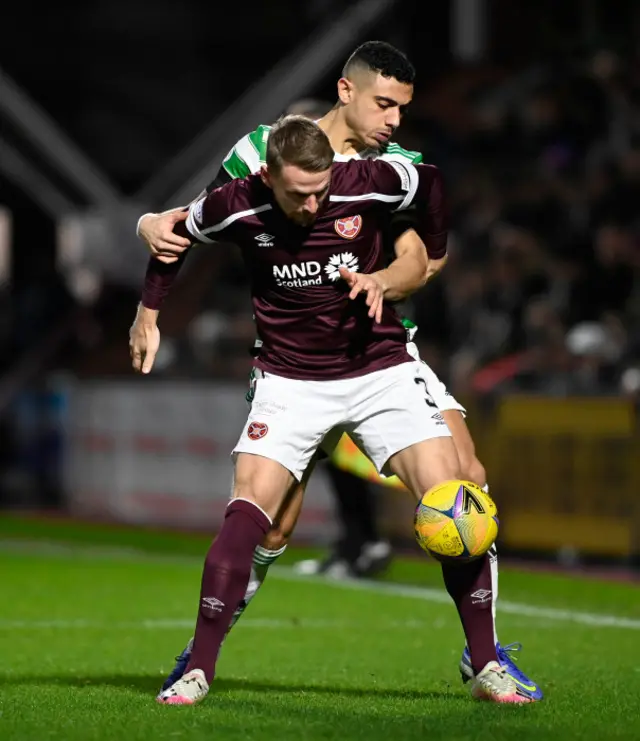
column 333, row 357
column 375, row 87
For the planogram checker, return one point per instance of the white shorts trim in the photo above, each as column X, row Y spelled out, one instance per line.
column 437, row 391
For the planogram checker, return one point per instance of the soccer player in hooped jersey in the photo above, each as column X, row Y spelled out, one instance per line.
column 376, row 85
column 333, row 355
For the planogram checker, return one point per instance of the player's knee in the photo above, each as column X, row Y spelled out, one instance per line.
column 473, row 470
column 276, row 538
column 262, row 481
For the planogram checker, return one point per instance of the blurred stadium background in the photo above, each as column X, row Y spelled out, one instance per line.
column 531, row 109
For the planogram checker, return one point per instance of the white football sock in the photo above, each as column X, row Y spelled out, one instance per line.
column 262, row 560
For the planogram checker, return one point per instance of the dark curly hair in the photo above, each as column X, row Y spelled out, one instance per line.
column 378, row 56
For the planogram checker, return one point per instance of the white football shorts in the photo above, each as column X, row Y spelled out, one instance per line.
column 383, row 412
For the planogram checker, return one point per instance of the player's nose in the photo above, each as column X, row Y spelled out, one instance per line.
column 392, row 118
column 311, row 204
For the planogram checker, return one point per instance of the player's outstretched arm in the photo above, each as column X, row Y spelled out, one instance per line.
column 144, row 339
column 207, row 214
column 144, row 335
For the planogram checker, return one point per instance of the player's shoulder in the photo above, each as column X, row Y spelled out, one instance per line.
column 249, row 153
column 258, row 139
column 365, row 180
column 393, row 152
column 243, row 194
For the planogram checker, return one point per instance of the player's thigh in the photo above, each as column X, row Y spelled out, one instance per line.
column 392, row 416
column 288, row 420
column 470, row 467
column 426, row 464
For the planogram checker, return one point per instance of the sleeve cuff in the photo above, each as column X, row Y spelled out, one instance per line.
column 139, row 220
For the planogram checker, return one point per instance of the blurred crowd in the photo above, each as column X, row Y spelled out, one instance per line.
column 541, row 291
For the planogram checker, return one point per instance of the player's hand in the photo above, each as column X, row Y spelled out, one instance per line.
column 157, row 231
column 144, row 341
column 369, row 284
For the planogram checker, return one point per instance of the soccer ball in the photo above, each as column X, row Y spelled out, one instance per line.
column 456, row 521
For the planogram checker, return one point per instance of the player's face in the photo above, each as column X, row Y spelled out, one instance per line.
column 374, row 106
column 298, row 193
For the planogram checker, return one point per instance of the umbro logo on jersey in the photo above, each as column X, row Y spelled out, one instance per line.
column 264, row 240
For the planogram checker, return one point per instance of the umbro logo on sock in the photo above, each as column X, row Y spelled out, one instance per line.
column 481, row 596
column 212, row 605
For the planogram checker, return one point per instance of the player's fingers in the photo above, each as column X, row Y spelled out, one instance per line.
column 347, row 275
column 136, row 357
column 170, row 249
column 147, row 363
column 379, row 308
column 166, row 258
column 172, row 241
column 179, row 215
column 356, row 290
column 374, row 302
column 372, row 292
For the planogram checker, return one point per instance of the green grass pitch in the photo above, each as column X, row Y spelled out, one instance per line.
column 92, row 617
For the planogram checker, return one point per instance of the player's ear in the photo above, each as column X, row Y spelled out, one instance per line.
column 345, row 90
column 265, row 176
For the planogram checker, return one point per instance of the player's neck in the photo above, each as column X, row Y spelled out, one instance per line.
column 342, row 138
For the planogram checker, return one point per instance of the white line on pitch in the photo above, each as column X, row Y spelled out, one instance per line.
column 286, row 573
column 247, row 622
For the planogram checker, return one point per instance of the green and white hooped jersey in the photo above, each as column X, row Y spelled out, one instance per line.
column 249, row 154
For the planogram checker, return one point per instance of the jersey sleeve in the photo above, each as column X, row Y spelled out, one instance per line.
column 248, row 154
column 209, row 216
column 419, row 188
column 158, row 280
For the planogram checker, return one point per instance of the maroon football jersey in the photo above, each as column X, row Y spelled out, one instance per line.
column 309, row 328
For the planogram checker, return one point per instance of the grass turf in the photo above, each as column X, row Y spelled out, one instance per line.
column 87, row 633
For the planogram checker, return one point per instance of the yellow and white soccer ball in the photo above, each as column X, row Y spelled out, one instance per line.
column 456, row 521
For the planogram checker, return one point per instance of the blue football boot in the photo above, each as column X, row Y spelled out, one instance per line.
column 525, row 686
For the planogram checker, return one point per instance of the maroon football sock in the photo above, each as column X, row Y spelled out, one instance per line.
column 227, row 569
column 469, row 585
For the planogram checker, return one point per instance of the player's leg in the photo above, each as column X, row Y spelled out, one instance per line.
column 361, row 545
column 481, row 592
column 272, row 547
column 475, row 587
column 274, row 543
column 403, row 434
column 464, row 582
column 260, row 487
column 360, row 550
column 271, row 456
